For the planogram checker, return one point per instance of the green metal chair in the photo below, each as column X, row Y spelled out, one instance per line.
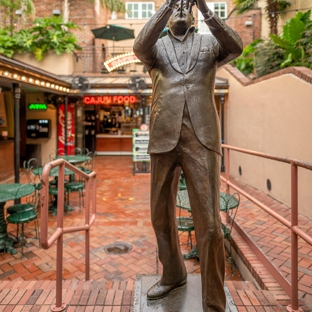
column 30, row 165
column 21, row 214
column 229, row 204
column 185, row 224
column 75, row 186
column 182, row 183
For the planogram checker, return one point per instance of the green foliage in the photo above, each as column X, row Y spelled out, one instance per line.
column 246, row 61
column 289, row 41
column 8, row 8
column 7, row 43
column 243, row 6
column 292, row 48
column 268, row 58
column 47, row 34
column 112, row 5
column 306, row 43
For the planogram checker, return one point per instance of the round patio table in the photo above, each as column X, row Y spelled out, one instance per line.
column 10, row 191
column 53, row 172
column 75, row 159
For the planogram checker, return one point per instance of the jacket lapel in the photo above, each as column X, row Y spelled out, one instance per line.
column 195, row 52
column 166, row 41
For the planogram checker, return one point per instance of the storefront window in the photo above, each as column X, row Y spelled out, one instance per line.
column 117, row 114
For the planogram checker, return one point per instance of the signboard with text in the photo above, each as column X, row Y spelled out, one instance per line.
column 109, row 99
column 140, row 141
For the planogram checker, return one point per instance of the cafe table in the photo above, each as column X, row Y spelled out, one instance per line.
column 10, row 191
column 53, row 172
column 75, row 159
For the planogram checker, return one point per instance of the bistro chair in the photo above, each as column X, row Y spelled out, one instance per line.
column 229, row 205
column 78, row 151
column 31, row 164
column 60, row 152
column 22, row 214
column 185, row 223
column 182, row 183
column 89, row 164
column 75, row 186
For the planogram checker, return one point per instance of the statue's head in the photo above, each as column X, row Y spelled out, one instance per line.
column 181, row 19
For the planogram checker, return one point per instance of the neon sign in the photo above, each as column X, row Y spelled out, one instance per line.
column 37, row 106
column 109, row 99
column 121, row 60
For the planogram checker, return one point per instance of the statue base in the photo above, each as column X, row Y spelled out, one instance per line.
column 185, row 299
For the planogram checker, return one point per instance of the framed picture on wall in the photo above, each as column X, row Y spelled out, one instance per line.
column 3, row 118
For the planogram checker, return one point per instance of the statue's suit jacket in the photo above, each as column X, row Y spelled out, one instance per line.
column 172, row 88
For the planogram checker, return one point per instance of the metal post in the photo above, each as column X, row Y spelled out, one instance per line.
column 17, row 97
column 66, row 121
column 294, row 239
column 222, row 98
column 59, row 305
column 87, row 221
column 227, row 173
column 143, row 108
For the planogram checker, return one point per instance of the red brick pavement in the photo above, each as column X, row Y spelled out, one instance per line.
column 273, row 239
column 123, row 216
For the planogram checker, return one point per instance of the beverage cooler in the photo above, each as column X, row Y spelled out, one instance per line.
column 70, row 128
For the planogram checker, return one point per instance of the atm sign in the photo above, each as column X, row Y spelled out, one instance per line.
column 109, row 99
column 37, row 106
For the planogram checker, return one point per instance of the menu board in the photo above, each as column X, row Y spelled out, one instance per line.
column 140, row 141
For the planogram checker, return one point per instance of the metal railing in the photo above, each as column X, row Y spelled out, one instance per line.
column 46, row 242
column 291, row 289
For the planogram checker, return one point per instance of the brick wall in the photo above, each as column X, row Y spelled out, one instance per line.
column 248, row 33
column 82, row 13
column 237, row 22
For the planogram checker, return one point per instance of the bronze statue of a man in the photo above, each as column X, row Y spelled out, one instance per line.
column 185, row 134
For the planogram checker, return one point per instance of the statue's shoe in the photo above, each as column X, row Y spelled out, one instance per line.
column 159, row 291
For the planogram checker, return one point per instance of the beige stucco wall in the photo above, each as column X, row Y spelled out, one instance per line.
column 48, row 146
column 55, row 64
column 272, row 116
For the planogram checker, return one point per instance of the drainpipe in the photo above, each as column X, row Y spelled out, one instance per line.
column 17, row 97
column 222, row 131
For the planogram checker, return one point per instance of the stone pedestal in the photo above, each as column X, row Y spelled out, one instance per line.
column 185, row 299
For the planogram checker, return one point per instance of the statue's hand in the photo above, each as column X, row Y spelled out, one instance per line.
column 202, row 6
column 171, row 3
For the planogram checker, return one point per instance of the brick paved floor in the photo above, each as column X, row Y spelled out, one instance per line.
column 123, row 216
column 273, row 239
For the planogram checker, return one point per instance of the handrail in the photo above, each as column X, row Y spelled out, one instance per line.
column 57, row 236
column 291, row 289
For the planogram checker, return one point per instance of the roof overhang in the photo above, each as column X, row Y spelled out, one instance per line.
column 30, row 78
column 118, row 84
